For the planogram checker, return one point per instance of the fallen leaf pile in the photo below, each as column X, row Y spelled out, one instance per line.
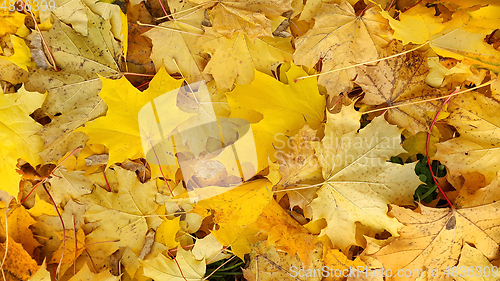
column 249, row 140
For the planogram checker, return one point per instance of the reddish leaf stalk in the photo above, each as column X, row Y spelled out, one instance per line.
column 143, row 84
column 63, row 227
column 138, row 74
column 51, row 174
column 427, row 150
column 408, row 9
column 366, row 8
column 178, row 265
column 161, row 170
column 76, row 244
column 163, row 8
column 105, row 178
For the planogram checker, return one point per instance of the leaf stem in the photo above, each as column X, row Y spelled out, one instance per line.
column 363, row 63
column 178, row 265
column 427, row 148
column 433, row 99
column 63, row 227
column 138, row 74
column 105, row 178
column 219, row 267
column 76, row 243
column 6, row 242
column 408, row 9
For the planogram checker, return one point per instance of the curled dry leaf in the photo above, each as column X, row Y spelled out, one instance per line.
column 184, row 29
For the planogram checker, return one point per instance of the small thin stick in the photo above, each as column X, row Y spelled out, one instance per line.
column 138, row 74
column 433, row 99
column 6, row 243
column 161, row 170
column 168, row 28
column 164, row 11
column 188, row 9
column 219, row 267
column 257, row 269
column 363, row 63
column 220, row 252
column 76, row 244
column 390, row 6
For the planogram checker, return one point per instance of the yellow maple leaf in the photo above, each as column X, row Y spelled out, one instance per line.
column 341, row 39
column 359, row 182
column 185, row 267
column 461, row 38
column 336, row 262
column 297, row 166
column 167, row 231
column 475, row 117
column 18, row 226
column 22, row 55
column 268, row 263
column 17, row 130
column 66, row 185
column 400, row 81
column 42, row 274
column 434, row 238
column 209, row 249
column 252, row 18
column 285, row 233
column 476, row 264
column 68, row 250
column 18, row 264
column 235, row 208
column 121, row 215
column 73, row 92
column 283, row 109
column 120, row 129
column 184, row 29
column 10, row 22
column 234, row 59
column 85, row 274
